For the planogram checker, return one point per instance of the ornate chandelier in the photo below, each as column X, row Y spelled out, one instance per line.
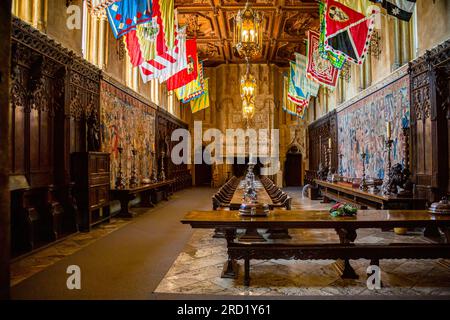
column 248, row 34
column 248, row 94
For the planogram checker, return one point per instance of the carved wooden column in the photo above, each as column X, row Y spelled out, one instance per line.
column 429, row 122
column 5, row 34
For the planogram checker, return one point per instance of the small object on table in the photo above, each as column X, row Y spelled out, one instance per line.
column 133, row 176
column 386, row 188
column 254, row 210
column 400, row 231
column 343, row 210
column 441, row 207
column 363, row 186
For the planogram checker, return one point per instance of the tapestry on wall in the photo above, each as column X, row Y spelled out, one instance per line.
column 128, row 124
column 362, row 127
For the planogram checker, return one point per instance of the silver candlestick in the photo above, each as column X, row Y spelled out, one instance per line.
column 154, row 170
column 162, row 174
column 133, row 176
column 363, row 186
column 386, row 187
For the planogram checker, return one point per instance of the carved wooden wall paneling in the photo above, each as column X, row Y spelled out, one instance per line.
column 48, row 83
column 37, row 66
column 165, row 125
column 319, row 132
column 429, row 75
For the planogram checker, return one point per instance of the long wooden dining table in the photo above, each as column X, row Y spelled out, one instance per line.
column 345, row 227
column 251, row 234
column 238, row 196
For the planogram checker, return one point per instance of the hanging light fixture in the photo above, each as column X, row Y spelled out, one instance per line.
column 248, row 33
column 248, row 94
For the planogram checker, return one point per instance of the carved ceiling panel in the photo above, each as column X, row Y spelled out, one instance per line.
column 285, row 23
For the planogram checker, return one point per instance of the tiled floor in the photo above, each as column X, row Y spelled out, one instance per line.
column 197, row 269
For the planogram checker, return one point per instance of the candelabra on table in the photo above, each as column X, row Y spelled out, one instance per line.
column 407, row 185
column 162, row 175
column 133, row 176
column 154, row 177
column 341, row 166
column 147, row 179
column 406, row 146
column 363, row 185
column 330, row 177
column 386, row 187
column 119, row 177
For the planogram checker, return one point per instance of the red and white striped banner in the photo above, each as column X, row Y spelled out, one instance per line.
column 168, row 63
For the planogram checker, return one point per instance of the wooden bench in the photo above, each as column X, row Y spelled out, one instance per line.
column 346, row 228
column 147, row 192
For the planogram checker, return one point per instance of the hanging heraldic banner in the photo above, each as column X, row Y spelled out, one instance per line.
column 348, row 31
column 318, row 68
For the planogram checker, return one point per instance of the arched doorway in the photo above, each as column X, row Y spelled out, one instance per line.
column 293, row 168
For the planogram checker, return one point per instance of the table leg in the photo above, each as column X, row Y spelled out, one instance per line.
column 446, row 231
column 247, row 271
column 230, row 268
column 124, row 210
column 251, row 235
column 347, row 236
column 279, row 234
column 146, row 200
column 431, row 232
column 166, row 193
column 219, row 233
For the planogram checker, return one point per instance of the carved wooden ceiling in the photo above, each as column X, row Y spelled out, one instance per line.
column 285, row 25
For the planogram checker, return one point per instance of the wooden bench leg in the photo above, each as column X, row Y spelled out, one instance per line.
column 219, row 233
column 349, row 272
column 230, row 268
column 247, row 272
column 446, row 232
column 346, row 269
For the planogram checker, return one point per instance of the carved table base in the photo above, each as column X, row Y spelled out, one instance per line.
column 252, row 235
